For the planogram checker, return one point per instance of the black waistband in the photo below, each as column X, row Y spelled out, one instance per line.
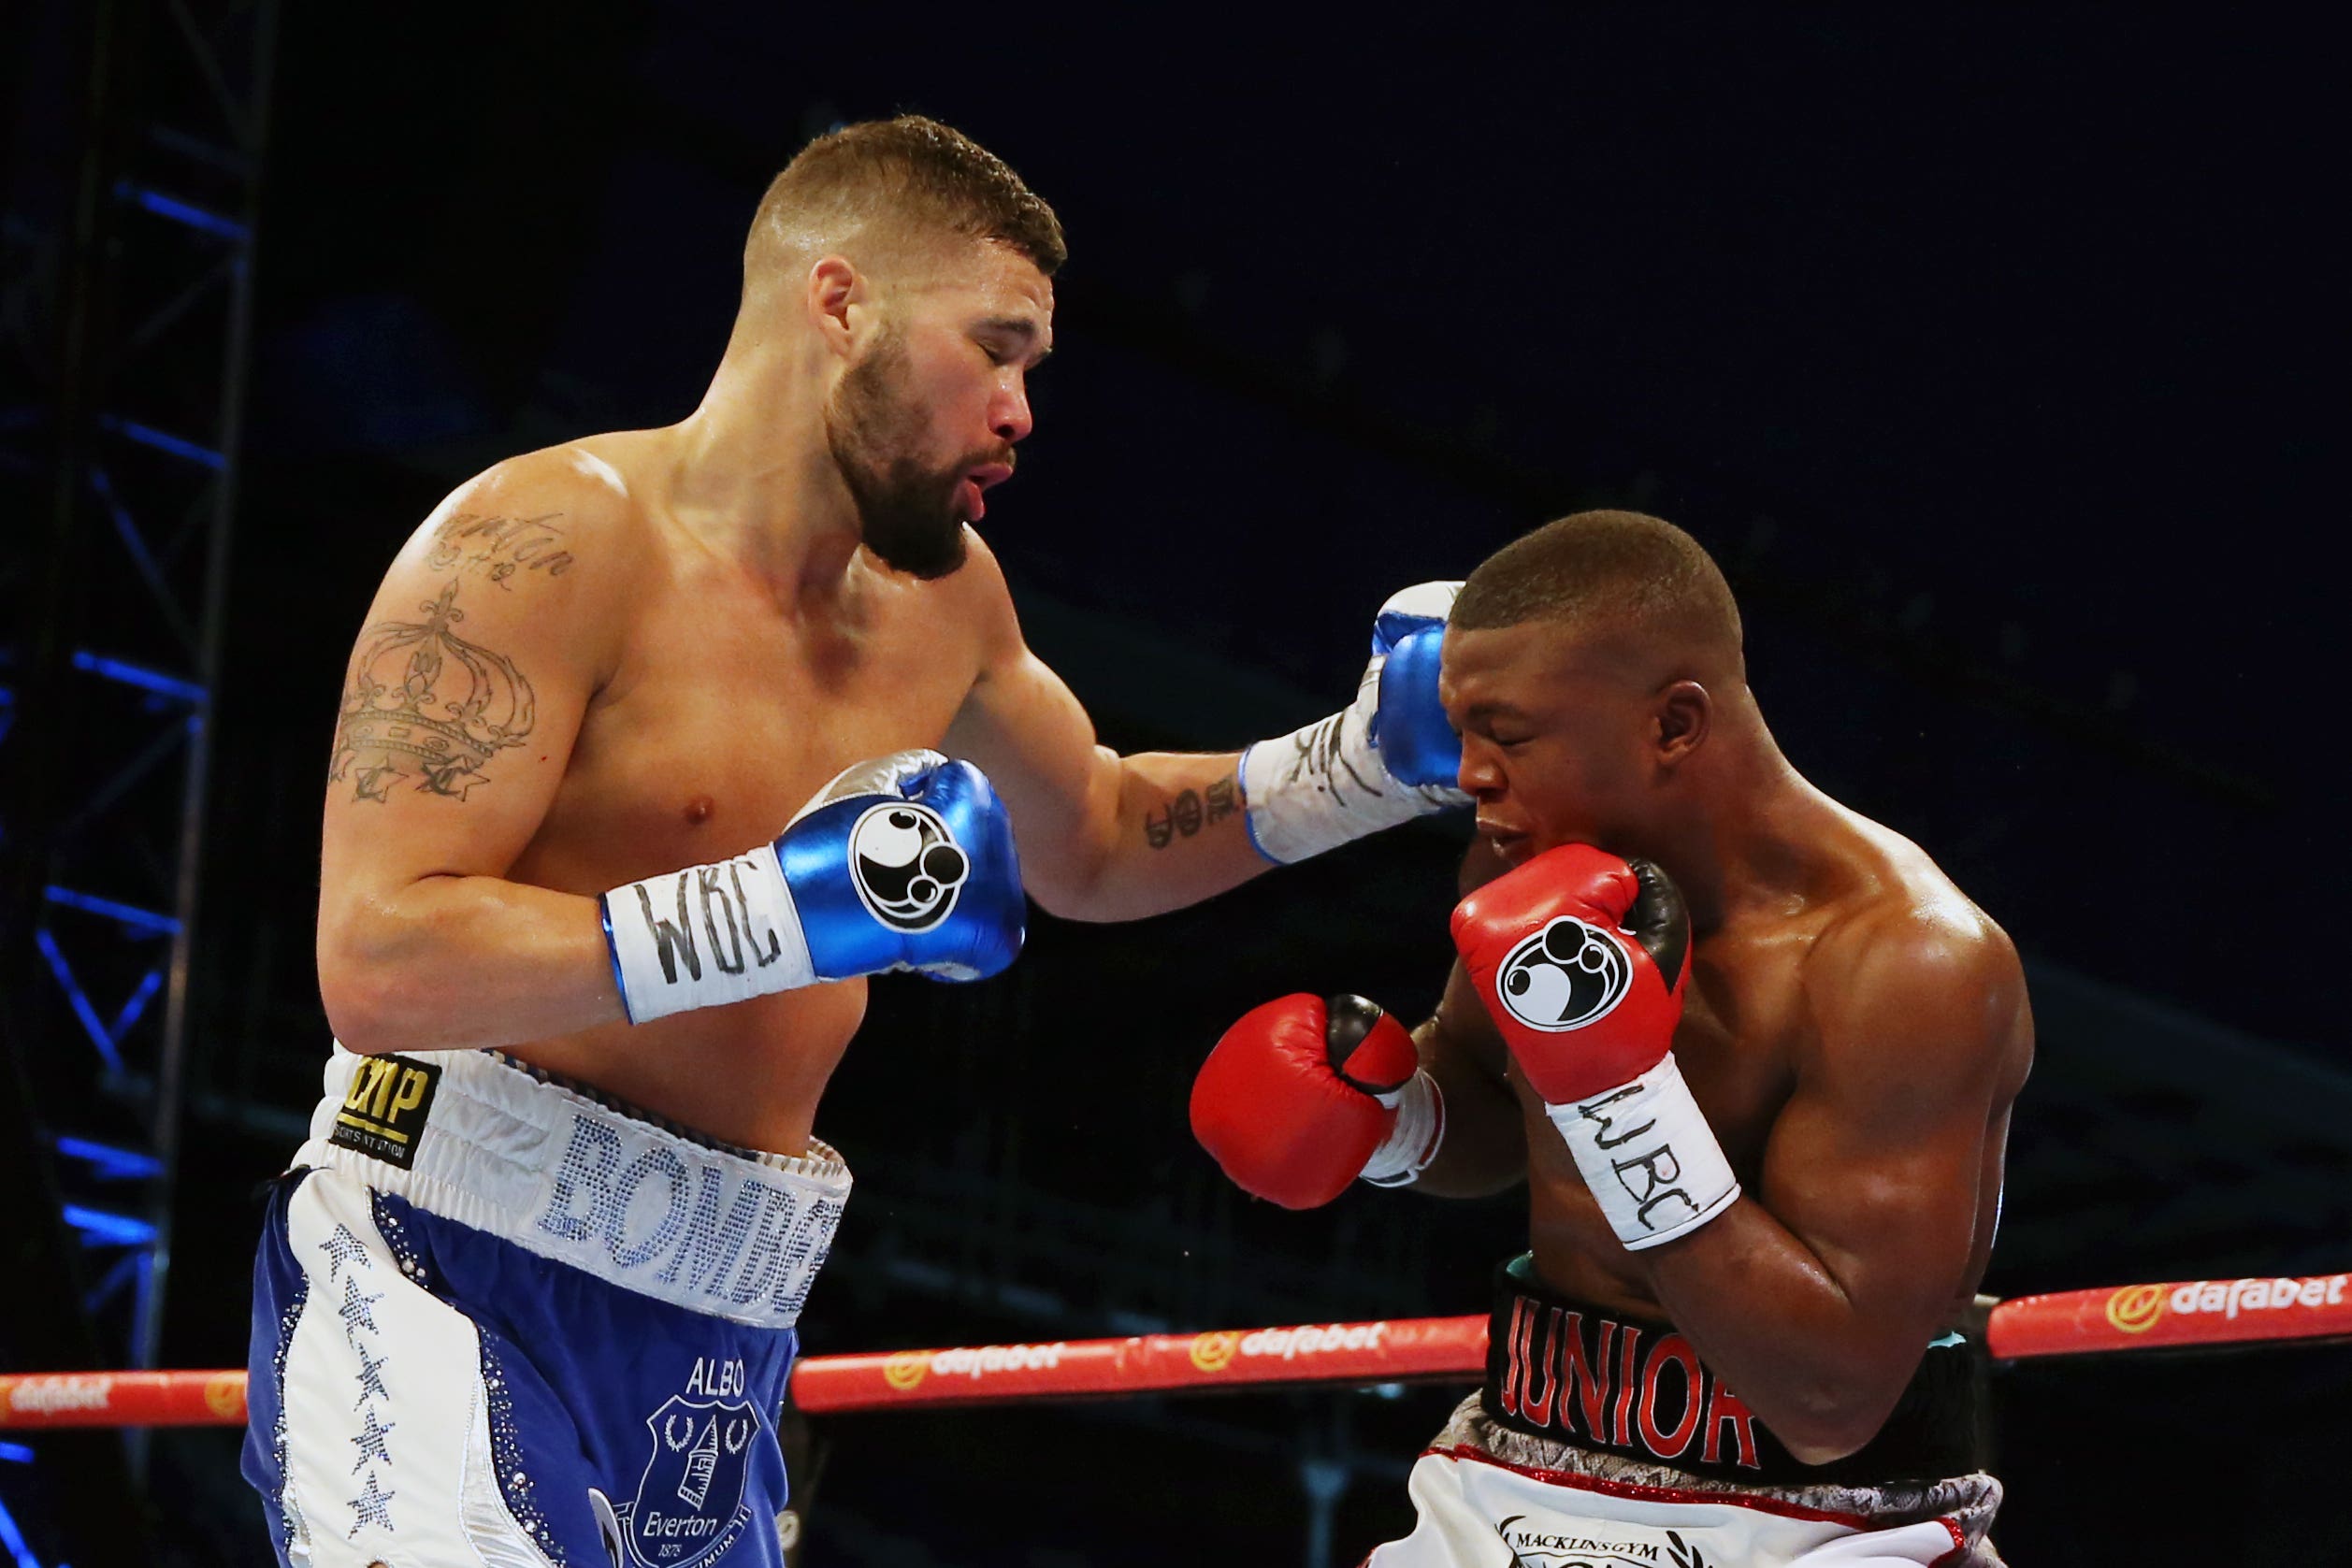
column 1560, row 1370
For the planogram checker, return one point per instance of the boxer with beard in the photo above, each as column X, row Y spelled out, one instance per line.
column 594, row 924
column 1753, row 1053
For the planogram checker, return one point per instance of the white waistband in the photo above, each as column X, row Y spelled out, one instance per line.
column 735, row 1235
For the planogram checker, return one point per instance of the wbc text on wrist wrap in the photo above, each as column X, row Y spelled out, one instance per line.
column 901, row 862
column 706, row 936
column 1385, row 758
column 1650, row 1157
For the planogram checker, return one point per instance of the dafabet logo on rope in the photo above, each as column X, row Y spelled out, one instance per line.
column 1214, row 1351
column 2135, row 1308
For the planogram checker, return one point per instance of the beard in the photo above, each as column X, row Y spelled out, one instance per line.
column 906, row 511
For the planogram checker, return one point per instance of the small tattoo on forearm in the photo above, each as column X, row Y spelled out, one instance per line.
column 423, row 703
column 1183, row 815
column 1222, row 802
column 499, row 547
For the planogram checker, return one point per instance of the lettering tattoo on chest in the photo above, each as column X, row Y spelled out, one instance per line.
column 1185, row 815
column 423, row 704
column 497, row 548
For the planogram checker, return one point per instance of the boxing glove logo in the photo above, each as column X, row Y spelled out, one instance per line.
column 907, row 864
column 1564, row 976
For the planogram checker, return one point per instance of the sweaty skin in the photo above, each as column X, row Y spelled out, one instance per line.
column 1855, row 1029
column 660, row 644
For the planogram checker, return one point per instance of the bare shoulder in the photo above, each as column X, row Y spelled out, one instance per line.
column 1915, row 972
column 981, row 601
column 561, row 520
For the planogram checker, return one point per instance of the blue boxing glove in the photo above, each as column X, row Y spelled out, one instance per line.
column 905, row 862
column 1418, row 743
column 1387, row 757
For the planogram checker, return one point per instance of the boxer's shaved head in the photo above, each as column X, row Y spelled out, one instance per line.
column 1586, row 665
column 1624, row 575
column 894, row 197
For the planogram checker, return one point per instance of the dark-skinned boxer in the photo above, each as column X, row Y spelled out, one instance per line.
column 1753, row 1055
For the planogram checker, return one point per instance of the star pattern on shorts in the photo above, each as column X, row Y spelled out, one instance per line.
column 373, row 1505
column 370, row 1438
column 371, row 1377
column 354, row 1311
column 341, row 1248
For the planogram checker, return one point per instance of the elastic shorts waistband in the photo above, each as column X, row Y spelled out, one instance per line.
column 475, row 1138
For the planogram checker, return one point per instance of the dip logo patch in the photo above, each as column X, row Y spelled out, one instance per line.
column 384, row 1111
column 688, row 1507
column 1564, row 976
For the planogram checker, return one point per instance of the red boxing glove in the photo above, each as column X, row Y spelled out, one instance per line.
column 1301, row 1096
column 1581, row 957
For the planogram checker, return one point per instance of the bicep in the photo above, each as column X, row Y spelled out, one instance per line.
column 1485, row 1146
column 1021, row 723
column 1876, row 1162
column 456, row 712
column 1884, row 1193
column 1029, row 733
column 1462, row 1038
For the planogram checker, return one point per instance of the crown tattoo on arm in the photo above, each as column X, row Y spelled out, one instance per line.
column 423, row 703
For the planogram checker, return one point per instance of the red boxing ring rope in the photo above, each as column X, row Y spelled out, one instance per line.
column 2210, row 1314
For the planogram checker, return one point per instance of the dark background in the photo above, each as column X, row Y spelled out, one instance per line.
column 1984, row 350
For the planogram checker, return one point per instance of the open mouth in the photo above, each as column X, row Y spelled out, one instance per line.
column 1512, row 844
column 979, row 481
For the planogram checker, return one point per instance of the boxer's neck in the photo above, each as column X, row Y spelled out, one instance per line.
column 1750, row 834
column 753, row 475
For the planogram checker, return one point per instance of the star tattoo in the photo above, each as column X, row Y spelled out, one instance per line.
column 375, row 783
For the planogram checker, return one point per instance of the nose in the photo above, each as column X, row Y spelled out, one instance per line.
column 1481, row 770
column 1009, row 416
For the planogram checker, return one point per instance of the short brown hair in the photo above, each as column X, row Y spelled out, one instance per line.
column 1618, row 568
column 898, row 180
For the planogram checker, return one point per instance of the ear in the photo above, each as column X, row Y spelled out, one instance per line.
column 1683, row 714
column 834, row 285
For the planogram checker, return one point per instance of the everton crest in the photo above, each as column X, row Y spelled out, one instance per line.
column 690, row 1507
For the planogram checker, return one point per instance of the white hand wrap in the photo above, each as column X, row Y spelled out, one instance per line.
column 706, row 936
column 1321, row 786
column 1412, row 1143
column 1646, row 1151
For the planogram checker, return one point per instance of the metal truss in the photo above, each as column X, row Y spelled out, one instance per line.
column 147, row 274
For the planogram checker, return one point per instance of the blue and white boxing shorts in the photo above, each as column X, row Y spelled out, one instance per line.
column 500, row 1321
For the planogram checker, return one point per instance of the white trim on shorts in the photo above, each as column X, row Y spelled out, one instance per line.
column 739, row 1236
column 1475, row 1510
column 383, row 1381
